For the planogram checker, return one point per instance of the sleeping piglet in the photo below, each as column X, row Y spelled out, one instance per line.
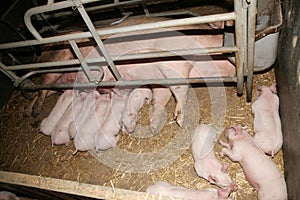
column 267, row 124
column 84, row 137
column 206, row 164
column 62, row 104
column 107, row 137
column 134, row 103
column 164, row 188
column 80, row 114
column 261, row 171
column 60, row 134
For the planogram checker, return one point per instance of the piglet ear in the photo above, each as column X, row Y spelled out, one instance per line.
column 273, row 88
column 212, row 179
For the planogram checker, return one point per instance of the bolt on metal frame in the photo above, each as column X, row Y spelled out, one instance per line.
column 244, row 16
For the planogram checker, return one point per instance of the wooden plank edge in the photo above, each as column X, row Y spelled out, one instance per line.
column 75, row 188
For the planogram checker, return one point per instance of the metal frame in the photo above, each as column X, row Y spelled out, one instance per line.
column 243, row 15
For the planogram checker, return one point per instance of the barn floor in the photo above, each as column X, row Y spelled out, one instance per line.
column 137, row 162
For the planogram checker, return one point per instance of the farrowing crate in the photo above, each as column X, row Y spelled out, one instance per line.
column 244, row 36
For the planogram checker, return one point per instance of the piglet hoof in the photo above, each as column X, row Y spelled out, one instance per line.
column 224, row 144
column 179, row 119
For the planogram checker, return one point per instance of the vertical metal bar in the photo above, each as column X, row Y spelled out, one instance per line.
column 97, row 39
column 252, row 9
column 84, row 65
column 245, row 34
column 239, row 27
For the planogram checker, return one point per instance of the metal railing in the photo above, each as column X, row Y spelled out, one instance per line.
column 243, row 15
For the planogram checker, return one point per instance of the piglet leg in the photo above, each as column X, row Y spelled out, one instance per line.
column 158, row 114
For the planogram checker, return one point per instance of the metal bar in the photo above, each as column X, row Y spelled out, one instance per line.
column 84, row 65
column 238, row 9
column 241, row 31
column 158, row 54
column 96, row 37
column 71, row 69
column 41, row 9
column 115, row 4
column 8, row 73
column 250, row 47
column 124, row 83
column 147, row 26
column 106, row 6
column 245, row 5
column 125, row 16
column 166, row 14
column 44, row 65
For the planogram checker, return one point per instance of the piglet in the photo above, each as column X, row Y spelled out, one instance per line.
column 60, row 135
column 107, row 137
column 261, row 171
column 92, row 124
column 206, row 164
column 4, row 195
column 267, row 124
column 164, row 188
column 62, row 104
column 80, row 115
column 134, row 103
column 83, row 140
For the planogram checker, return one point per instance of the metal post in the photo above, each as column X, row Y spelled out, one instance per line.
column 250, row 47
column 239, row 36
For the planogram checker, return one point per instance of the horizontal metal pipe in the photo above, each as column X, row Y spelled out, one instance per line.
column 165, row 82
column 100, row 7
column 44, row 65
column 158, row 54
column 71, row 69
column 106, row 6
column 147, row 26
